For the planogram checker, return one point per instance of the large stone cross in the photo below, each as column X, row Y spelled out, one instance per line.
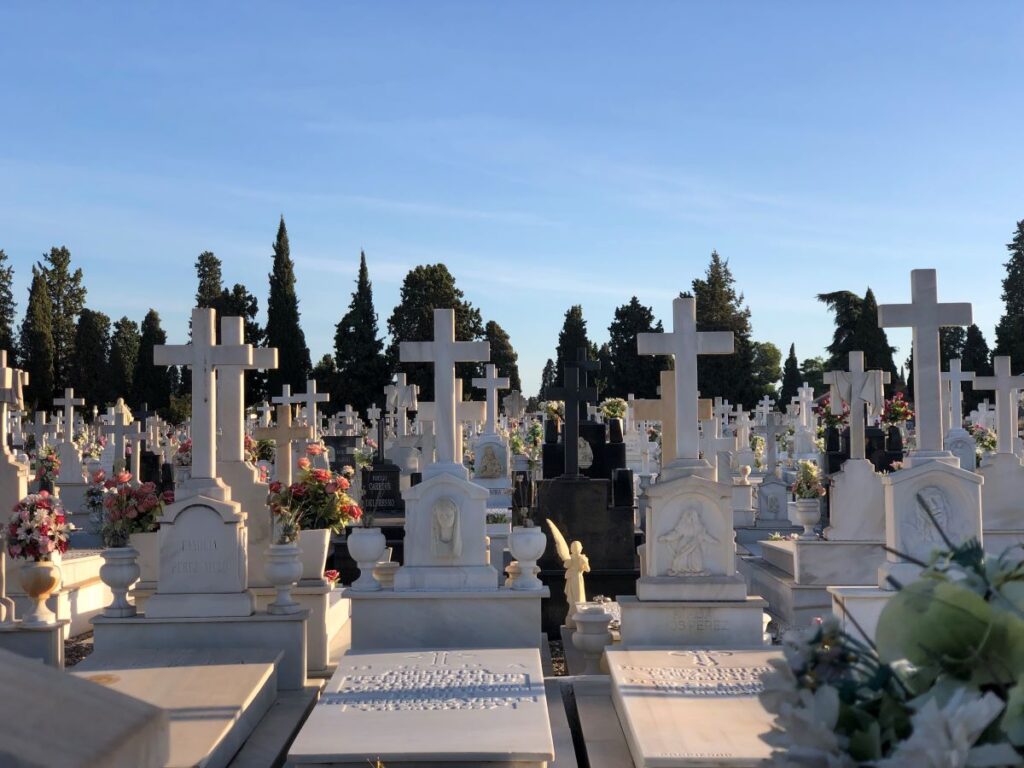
column 69, row 401
column 133, row 436
column 515, row 404
column 806, row 401
column 469, row 412
column 310, row 398
column 858, row 388
column 684, row 343
column 762, row 409
column 662, row 410
column 11, row 380
column 444, row 352
column 120, row 417
column 231, row 390
column 925, row 315
column 40, row 429
column 403, row 397
column 774, row 426
column 491, row 383
column 286, row 397
column 203, row 356
column 284, row 434
column 1006, row 388
column 953, row 379
column 575, row 394
column 373, row 414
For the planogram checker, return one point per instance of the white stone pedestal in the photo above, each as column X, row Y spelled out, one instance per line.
column 858, row 608
column 743, row 505
column 243, row 480
column 961, row 444
column 856, row 504
column 773, row 497
column 711, row 624
column 1002, row 497
column 41, row 643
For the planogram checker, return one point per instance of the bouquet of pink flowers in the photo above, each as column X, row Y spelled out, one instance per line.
column 824, row 412
column 37, row 528
column 897, row 410
column 47, row 465
column 183, row 456
column 130, row 509
column 318, row 499
column 250, row 448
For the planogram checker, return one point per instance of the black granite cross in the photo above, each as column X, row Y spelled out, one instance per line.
column 576, row 394
column 380, row 443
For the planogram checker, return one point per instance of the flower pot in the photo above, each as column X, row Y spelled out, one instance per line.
column 283, row 569
column 148, row 546
column 591, row 636
column 119, row 571
column 807, row 513
column 314, row 544
column 39, row 580
column 527, row 545
column 614, row 430
column 366, row 545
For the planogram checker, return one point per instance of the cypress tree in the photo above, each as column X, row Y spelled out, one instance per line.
column 7, row 307
column 124, row 360
column 628, row 372
column 847, row 308
column 362, row 370
column 503, row 355
column 67, row 298
column 872, row 340
column 37, row 343
column 791, row 379
column 571, row 338
column 283, row 329
column 152, row 384
column 1010, row 330
column 975, row 357
column 547, row 379
column 92, row 349
column 208, row 272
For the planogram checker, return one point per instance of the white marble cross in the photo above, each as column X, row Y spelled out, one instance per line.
column 491, row 383
column 69, row 401
column 373, row 414
column 203, row 356
column 953, row 379
column 310, row 398
column 444, row 352
column 121, row 417
column 284, row 434
column 684, row 343
column 231, row 390
column 761, row 411
column 11, row 380
column 711, row 443
column 806, row 400
column 774, row 426
column 468, row 413
column 265, row 410
column 858, row 388
column 133, row 436
column 40, row 429
column 286, row 397
column 348, row 418
column 515, row 404
column 925, row 315
column 1006, row 388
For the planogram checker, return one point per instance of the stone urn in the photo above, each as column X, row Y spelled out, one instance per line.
column 592, row 636
column 744, row 478
column 282, row 570
column 384, row 573
column 366, row 545
column 119, row 571
column 39, row 579
column 527, row 545
column 807, row 513
column 313, row 546
column 148, row 546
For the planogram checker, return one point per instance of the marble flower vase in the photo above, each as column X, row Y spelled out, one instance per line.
column 366, row 546
column 313, row 545
column 39, row 579
column 119, row 571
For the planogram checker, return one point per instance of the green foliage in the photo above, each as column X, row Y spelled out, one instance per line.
column 283, row 329
column 178, row 410
column 67, row 298
column 856, row 330
column 89, row 367
column 362, row 369
column 208, row 272
column 791, row 379
column 7, row 307
column 37, row 349
column 813, row 369
column 626, row 371
column 975, row 356
column 572, row 338
column 425, row 288
column 503, row 355
column 152, row 384
column 238, row 302
column 124, row 359
column 1010, row 329
column 548, row 378
column 325, row 372
column 766, row 367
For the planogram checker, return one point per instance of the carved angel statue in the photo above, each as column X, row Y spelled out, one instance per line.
column 687, row 540
column 576, row 564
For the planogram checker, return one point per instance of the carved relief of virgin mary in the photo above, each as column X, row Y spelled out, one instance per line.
column 686, row 542
column 445, row 535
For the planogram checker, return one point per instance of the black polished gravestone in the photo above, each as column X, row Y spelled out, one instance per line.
column 343, row 448
column 581, row 508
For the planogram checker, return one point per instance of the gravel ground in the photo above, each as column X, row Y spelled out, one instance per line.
column 77, row 648
column 557, row 658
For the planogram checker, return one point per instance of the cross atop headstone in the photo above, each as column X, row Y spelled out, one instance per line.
column 684, row 343
column 284, row 434
column 121, row 417
column 402, row 398
column 348, row 418
column 11, row 380
column 1006, row 388
column 444, row 352
column 663, row 410
column 491, row 383
column 133, row 436
column 373, row 414
column 859, row 388
column 806, row 402
column 264, row 409
column 231, row 390
column 574, row 394
column 41, row 428
column 954, row 378
column 310, row 398
column 773, row 427
column 925, row 315
column 761, row 411
column 203, row 356
column 515, row 404
column 286, row 397
column 586, row 367
column 712, row 442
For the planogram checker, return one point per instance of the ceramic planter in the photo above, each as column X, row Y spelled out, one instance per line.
column 366, row 545
column 119, row 571
column 282, row 570
column 39, row 580
column 527, row 545
column 314, row 545
column 805, row 512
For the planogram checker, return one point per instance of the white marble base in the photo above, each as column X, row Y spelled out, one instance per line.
column 700, row 624
column 243, row 480
column 691, row 707
column 773, row 496
column 285, row 634
column 206, row 605
column 858, row 608
column 857, row 503
column 1002, row 493
column 460, row 578
column 701, row 588
column 999, row 541
column 40, row 643
column 329, row 614
column 790, row 604
column 495, row 618
column 826, row 563
column 431, row 709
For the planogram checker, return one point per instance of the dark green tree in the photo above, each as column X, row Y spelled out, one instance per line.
column 283, row 329
column 67, row 298
column 791, row 379
column 1010, row 329
column 951, row 344
column 37, row 344
column 238, row 302
column 813, row 370
column 208, row 272
column 125, row 343
column 628, row 372
column 90, row 376
column 766, row 367
column 503, row 355
column 975, row 356
column 872, row 339
column 152, row 384
column 7, row 307
column 362, row 368
column 857, row 330
column 425, row 288
column 547, row 379
column 572, row 338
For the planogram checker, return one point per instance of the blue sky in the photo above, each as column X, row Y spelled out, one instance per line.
column 549, row 154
